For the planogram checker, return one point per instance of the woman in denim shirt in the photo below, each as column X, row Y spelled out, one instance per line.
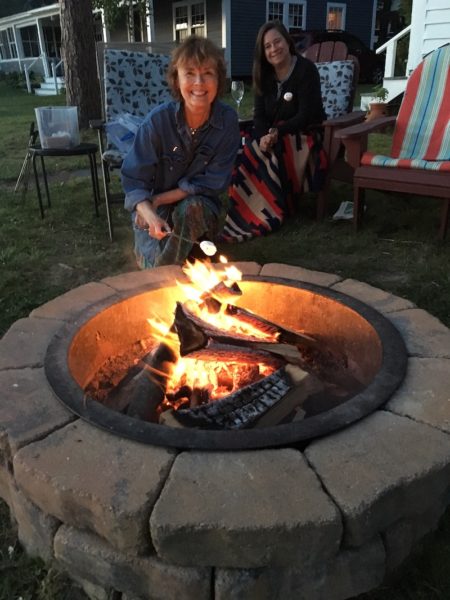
column 182, row 159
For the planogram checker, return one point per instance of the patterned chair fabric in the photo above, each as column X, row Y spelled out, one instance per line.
column 135, row 82
column 336, row 79
column 421, row 138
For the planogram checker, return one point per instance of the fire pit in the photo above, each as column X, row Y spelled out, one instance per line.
column 351, row 358
column 324, row 506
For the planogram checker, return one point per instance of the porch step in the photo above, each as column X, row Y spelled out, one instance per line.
column 47, row 87
column 395, row 86
column 59, row 79
column 44, row 92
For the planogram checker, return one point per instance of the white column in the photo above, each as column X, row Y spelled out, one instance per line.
column 226, row 33
column 105, row 30
column 150, row 19
column 418, row 14
column 374, row 20
column 42, row 51
column 18, row 43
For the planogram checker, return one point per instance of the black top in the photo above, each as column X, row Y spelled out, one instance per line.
column 303, row 110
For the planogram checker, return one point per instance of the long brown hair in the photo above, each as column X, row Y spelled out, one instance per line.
column 262, row 70
column 198, row 50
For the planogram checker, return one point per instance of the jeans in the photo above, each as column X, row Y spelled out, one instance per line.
column 191, row 219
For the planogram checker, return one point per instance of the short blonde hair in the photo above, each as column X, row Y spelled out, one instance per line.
column 197, row 50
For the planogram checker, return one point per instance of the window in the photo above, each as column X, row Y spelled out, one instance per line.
column 7, row 44
column 336, row 16
column 30, row 42
column 189, row 18
column 275, row 11
column 3, row 45
column 291, row 14
column 11, row 42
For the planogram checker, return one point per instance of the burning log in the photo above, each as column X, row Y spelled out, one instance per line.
column 145, row 391
column 240, row 409
column 214, row 351
column 300, row 349
column 222, row 292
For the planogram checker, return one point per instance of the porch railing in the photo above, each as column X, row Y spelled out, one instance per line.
column 390, row 47
column 55, row 78
column 27, row 67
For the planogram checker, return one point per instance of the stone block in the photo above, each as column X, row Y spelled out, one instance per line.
column 424, row 335
column 70, row 304
column 401, row 538
column 244, row 509
column 381, row 469
column 348, row 574
column 29, row 410
column 36, row 529
column 6, row 478
column 92, row 591
column 87, row 556
column 299, row 274
column 135, row 280
column 378, row 299
column 245, row 267
column 425, row 393
column 25, row 343
column 93, row 480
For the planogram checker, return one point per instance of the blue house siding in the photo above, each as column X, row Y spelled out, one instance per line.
column 359, row 19
column 248, row 15
column 246, row 18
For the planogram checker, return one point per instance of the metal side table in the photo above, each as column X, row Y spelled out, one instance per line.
column 90, row 150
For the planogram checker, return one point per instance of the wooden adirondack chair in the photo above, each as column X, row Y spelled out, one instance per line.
column 419, row 162
column 324, row 55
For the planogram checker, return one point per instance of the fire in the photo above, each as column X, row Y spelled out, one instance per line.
column 209, row 291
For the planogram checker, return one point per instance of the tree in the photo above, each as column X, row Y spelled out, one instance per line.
column 78, row 50
column 114, row 9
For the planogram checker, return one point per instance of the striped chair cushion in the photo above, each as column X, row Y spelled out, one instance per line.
column 378, row 160
column 421, row 138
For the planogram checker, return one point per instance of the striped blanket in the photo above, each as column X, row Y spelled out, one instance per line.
column 266, row 186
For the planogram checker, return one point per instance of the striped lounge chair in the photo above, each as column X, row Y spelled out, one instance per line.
column 419, row 162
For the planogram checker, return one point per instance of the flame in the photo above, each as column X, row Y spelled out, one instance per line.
column 216, row 377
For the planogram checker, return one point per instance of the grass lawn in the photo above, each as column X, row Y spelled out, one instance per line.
column 396, row 250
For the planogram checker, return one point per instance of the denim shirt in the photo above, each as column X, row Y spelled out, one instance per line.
column 164, row 156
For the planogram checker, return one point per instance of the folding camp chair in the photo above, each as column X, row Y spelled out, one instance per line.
column 132, row 83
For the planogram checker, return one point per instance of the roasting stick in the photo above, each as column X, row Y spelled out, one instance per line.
column 207, row 247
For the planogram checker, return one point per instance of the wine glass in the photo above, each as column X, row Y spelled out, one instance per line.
column 237, row 91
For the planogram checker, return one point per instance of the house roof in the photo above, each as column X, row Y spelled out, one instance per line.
column 13, row 7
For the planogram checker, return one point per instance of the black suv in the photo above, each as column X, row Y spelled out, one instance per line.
column 371, row 65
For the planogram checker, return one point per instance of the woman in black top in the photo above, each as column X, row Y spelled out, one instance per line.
column 283, row 156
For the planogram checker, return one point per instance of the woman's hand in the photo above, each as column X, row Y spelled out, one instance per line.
column 270, row 139
column 146, row 218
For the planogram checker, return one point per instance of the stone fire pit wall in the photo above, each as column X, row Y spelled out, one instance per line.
column 326, row 523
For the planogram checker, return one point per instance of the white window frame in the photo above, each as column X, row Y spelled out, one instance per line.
column 286, row 4
column 340, row 5
column 188, row 4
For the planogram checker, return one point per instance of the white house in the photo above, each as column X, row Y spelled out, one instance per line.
column 429, row 29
